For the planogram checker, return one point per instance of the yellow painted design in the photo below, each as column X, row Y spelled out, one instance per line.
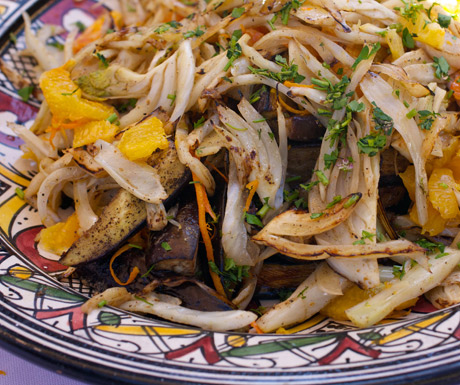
column 20, row 272
column 306, row 325
column 14, row 177
column 7, row 211
column 236, row 341
column 408, row 330
column 2, row 11
column 146, row 330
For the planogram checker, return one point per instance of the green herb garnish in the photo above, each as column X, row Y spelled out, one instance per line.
column 25, row 93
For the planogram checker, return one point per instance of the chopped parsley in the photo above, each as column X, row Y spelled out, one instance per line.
column 131, row 103
column 25, row 93
column 364, row 235
column 433, row 247
column 237, row 12
column 234, row 48
column 57, row 45
column 112, row 118
column 426, row 119
column 102, row 59
column 232, row 273
column 365, row 54
column 351, row 201
column 355, row 106
column 372, row 144
column 443, row 185
column 322, row 178
column 444, row 20
column 441, row 66
column 288, row 72
column 316, row 215
column 256, row 95
column 148, row 271
column 290, row 196
column 307, row 187
column 285, row 12
column 293, row 179
column 196, row 33
column 19, row 192
column 334, row 201
column 199, row 122
column 133, row 245
column 172, row 97
column 410, row 11
column 382, row 121
column 102, row 303
column 284, row 294
column 399, row 271
column 167, row 26
column 264, row 209
column 302, row 293
column 407, row 39
column 411, row 113
column 330, row 159
column 166, row 246
column 70, row 93
column 81, row 27
column 253, row 220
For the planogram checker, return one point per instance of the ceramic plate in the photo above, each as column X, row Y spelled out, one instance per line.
column 40, row 318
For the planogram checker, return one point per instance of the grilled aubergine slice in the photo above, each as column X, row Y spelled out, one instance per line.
column 126, row 214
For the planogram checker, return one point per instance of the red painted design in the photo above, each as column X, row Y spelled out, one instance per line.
column 25, row 242
column 76, row 316
column 54, row 14
column 423, row 306
column 345, row 344
column 23, row 111
column 205, row 344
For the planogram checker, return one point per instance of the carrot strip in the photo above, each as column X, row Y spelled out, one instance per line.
column 134, row 271
column 202, row 198
column 207, row 205
column 90, row 34
column 289, row 108
column 255, row 326
column 287, row 83
column 252, row 187
column 216, row 170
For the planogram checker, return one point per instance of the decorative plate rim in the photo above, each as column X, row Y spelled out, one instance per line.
column 217, row 354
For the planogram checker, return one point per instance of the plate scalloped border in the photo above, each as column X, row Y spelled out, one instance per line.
column 40, row 318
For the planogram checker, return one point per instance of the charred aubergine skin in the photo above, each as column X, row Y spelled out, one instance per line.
column 126, row 214
column 183, row 241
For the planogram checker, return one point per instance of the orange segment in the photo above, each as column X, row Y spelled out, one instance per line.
column 141, row 140
column 435, row 223
column 65, row 100
column 454, row 165
column 58, row 238
column 408, row 178
column 90, row 132
column 441, row 193
column 449, row 151
column 337, row 307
